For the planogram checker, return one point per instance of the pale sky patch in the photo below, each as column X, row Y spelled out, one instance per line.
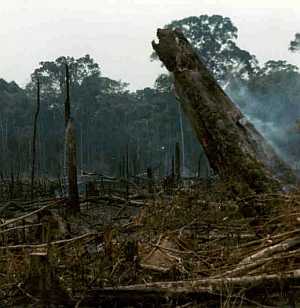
column 118, row 33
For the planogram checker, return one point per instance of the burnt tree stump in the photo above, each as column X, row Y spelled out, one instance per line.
column 235, row 149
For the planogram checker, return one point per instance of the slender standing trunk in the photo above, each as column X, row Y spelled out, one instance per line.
column 177, row 161
column 173, row 168
column 67, row 101
column 73, row 196
column 81, row 150
column 127, row 163
column 182, row 137
column 150, row 180
column 34, row 137
column 127, row 172
column 70, row 152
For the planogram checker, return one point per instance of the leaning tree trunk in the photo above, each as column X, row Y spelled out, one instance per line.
column 235, row 149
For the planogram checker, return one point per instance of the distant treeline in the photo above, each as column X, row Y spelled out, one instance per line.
column 114, row 123
column 110, row 121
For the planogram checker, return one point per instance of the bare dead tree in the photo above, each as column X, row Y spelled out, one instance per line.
column 150, row 180
column 173, row 168
column 67, row 100
column 71, row 162
column 177, row 161
column 70, row 152
column 34, row 136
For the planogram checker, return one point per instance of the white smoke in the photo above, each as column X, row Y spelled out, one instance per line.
column 265, row 118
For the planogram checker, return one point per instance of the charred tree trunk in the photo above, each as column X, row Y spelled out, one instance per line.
column 67, row 101
column 70, row 152
column 173, row 168
column 150, row 180
column 34, row 137
column 73, row 196
column 235, row 149
column 177, row 162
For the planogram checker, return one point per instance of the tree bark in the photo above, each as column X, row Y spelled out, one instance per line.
column 71, row 162
column 256, row 287
column 235, row 149
column 67, row 100
column 177, row 161
column 34, row 137
column 70, row 152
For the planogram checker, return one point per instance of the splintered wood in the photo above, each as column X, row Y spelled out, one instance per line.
column 170, row 250
column 234, row 148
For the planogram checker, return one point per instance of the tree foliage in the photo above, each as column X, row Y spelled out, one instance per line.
column 214, row 37
column 295, row 44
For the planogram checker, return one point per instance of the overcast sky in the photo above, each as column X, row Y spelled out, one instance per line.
column 118, row 33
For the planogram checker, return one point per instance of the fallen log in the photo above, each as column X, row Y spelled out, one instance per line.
column 21, row 218
column 33, row 247
column 271, row 250
column 200, row 288
column 192, row 286
column 235, row 149
column 258, row 265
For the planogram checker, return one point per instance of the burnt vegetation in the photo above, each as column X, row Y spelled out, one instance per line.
column 181, row 195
